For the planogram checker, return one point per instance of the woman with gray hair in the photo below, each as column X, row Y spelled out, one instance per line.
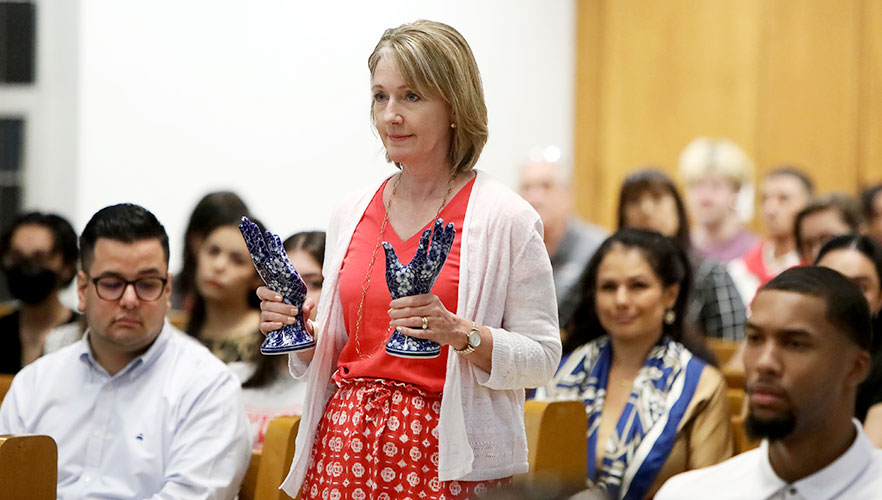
column 380, row 426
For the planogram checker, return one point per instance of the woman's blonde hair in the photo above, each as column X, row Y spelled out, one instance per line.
column 705, row 155
column 435, row 60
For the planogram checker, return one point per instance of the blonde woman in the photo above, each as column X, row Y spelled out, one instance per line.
column 717, row 175
column 378, row 426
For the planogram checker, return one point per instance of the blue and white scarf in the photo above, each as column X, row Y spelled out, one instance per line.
column 647, row 428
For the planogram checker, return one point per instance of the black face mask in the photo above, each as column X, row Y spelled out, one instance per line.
column 29, row 282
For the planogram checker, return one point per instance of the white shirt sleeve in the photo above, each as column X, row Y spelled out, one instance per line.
column 210, row 445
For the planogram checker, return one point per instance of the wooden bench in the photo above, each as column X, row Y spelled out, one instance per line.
column 269, row 467
column 557, row 444
column 5, row 382
column 28, row 468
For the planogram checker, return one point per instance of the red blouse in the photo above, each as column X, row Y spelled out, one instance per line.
column 428, row 374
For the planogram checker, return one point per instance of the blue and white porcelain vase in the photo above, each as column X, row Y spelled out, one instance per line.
column 417, row 278
column 276, row 270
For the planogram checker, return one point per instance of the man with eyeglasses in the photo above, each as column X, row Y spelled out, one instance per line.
column 138, row 409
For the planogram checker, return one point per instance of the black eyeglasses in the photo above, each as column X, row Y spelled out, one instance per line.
column 113, row 287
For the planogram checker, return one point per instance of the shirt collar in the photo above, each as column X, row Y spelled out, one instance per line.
column 829, row 482
column 137, row 364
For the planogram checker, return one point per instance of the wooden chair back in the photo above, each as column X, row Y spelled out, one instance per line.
column 5, row 382
column 28, row 468
column 735, row 379
column 736, row 402
column 269, row 467
column 742, row 441
column 723, row 349
column 557, row 443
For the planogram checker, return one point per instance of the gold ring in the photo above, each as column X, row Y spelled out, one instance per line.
column 425, row 322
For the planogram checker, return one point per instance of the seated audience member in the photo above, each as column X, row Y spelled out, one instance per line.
column 808, row 341
column 212, row 210
column 226, row 310
column 307, row 252
column 649, row 200
column 784, row 191
column 871, row 206
column 138, row 409
column 38, row 253
column 716, row 173
column 636, row 292
column 570, row 242
column 823, row 218
column 268, row 390
column 859, row 258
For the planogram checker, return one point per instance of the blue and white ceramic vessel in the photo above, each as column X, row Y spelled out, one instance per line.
column 274, row 268
column 417, row 278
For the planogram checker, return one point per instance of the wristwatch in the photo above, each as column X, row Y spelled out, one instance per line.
column 474, row 337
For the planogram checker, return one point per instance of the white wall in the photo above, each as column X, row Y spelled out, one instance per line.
column 270, row 98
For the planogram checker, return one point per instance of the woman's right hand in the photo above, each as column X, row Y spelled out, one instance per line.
column 274, row 314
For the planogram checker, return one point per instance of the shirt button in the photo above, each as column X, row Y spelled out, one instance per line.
column 96, row 433
column 792, row 491
column 87, row 478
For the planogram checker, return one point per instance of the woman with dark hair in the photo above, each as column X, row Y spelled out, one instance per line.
column 859, row 258
column 650, row 200
column 306, row 250
column 871, row 206
column 226, row 311
column 636, row 296
column 214, row 209
column 38, row 253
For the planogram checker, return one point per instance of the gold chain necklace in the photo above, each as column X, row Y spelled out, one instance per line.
column 366, row 283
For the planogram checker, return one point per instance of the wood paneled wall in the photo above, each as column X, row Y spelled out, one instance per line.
column 791, row 81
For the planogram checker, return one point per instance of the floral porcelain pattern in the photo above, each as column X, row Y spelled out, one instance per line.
column 417, row 278
column 274, row 268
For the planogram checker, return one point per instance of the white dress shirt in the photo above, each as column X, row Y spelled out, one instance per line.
column 856, row 475
column 170, row 425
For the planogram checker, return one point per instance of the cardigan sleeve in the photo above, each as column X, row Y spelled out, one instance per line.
column 526, row 348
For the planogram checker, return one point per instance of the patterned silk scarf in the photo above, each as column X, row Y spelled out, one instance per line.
column 647, row 428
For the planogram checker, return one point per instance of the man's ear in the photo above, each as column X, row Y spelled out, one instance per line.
column 860, row 368
column 168, row 290
column 82, row 284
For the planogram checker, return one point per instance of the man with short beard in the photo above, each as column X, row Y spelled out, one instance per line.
column 807, row 350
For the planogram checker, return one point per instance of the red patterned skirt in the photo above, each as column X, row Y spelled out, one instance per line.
column 378, row 439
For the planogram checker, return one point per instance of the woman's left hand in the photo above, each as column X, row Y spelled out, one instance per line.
column 442, row 326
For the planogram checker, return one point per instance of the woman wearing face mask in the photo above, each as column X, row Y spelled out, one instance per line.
column 859, row 258
column 38, row 253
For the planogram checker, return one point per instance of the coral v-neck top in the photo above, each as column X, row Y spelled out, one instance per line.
column 373, row 361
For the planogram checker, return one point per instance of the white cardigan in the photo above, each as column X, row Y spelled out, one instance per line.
column 505, row 284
